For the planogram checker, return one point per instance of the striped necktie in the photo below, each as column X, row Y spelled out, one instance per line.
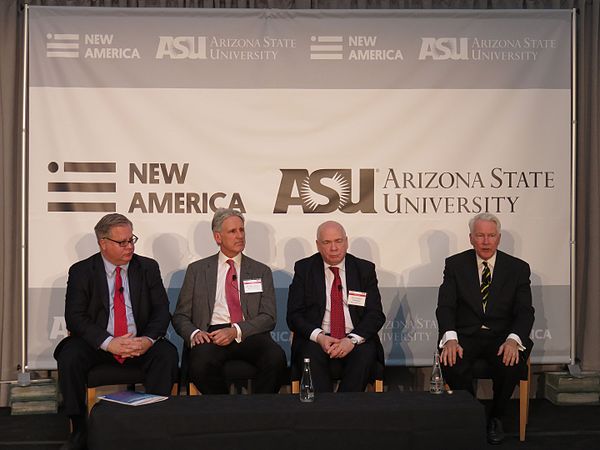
column 486, row 280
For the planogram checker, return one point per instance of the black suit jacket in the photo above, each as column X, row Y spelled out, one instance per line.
column 87, row 303
column 307, row 299
column 509, row 307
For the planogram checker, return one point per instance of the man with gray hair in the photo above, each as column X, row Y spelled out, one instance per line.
column 485, row 311
column 117, row 312
column 226, row 310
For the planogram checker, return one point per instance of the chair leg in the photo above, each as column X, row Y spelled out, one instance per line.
column 175, row 389
column 295, row 387
column 378, row 385
column 192, row 389
column 91, row 399
column 528, row 389
column 523, row 408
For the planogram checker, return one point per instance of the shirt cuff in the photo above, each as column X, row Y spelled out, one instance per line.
column 315, row 333
column 238, row 337
column 360, row 339
column 448, row 336
column 194, row 333
column 516, row 337
column 104, row 345
column 152, row 341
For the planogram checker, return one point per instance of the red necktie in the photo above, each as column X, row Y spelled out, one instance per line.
column 337, row 322
column 232, row 294
column 120, row 321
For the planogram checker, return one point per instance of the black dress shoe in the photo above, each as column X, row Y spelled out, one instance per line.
column 77, row 441
column 495, row 432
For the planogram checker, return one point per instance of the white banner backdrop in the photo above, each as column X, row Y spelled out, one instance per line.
column 399, row 124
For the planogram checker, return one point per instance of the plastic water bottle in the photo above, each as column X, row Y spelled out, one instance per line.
column 307, row 390
column 436, row 384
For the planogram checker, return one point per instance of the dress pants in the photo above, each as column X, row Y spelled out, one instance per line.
column 76, row 358
column 484, row 345
column 355, row 367
column 207, row 361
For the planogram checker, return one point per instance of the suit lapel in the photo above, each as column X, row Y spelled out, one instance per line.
column 498, row 277
column 318, row 270
column 472, row 276
column 100, row 280
column 134, row 276
column 245, row 274
column 210, row 279
column 352, row 284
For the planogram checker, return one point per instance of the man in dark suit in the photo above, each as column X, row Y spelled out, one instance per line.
column 485, row 311
column 223, row 316
column 117, row 312
column 335, row 312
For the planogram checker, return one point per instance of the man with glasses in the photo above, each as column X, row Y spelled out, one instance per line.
column 335, row 312
column 117, row 312
column 485, row 311
column 226, row 311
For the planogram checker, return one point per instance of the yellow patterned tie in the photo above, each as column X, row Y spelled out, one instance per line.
column 486, row 280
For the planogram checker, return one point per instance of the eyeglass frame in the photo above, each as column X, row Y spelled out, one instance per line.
column 132, row 240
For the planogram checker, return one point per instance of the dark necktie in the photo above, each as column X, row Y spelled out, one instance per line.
column 337, row 321
column 486, row 280
column 232, row 294
column 120, row 319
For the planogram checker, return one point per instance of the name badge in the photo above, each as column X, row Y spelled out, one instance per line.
column 357, row 298
column 252, row 286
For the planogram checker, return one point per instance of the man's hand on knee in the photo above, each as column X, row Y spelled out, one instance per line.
column 449, row 352
column 510, row 352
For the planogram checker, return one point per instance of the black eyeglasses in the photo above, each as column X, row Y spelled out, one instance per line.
column 124, row 243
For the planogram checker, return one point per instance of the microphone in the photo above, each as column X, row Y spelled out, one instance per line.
column 234, row 277
column 340, row 287
column 121, row 289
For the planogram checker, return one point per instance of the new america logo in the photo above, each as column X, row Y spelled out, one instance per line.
column 99, row 192
column 359, row 48
column 92, row 46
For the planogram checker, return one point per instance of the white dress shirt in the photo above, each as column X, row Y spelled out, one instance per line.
column 326, row 325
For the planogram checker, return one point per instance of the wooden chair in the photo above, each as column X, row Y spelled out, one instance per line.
column 110, row 375
column 482, row 370
column 237, row 373
column 376, row 384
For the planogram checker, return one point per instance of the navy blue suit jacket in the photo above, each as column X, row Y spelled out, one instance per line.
column 307, row 299
column 87, row 303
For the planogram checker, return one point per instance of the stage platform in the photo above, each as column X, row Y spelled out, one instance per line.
column 407, row 420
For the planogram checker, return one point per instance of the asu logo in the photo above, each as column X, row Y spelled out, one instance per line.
column 324, row 191
column 181, row 47
column 441, row 49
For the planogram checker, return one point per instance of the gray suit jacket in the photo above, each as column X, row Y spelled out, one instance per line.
column 197, row 298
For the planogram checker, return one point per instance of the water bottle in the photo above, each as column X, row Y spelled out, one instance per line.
column 436, row 384
column 307, row 391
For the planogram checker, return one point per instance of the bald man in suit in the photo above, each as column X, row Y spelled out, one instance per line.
column 344, row 334
column 226, row 310
column 485, row 311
